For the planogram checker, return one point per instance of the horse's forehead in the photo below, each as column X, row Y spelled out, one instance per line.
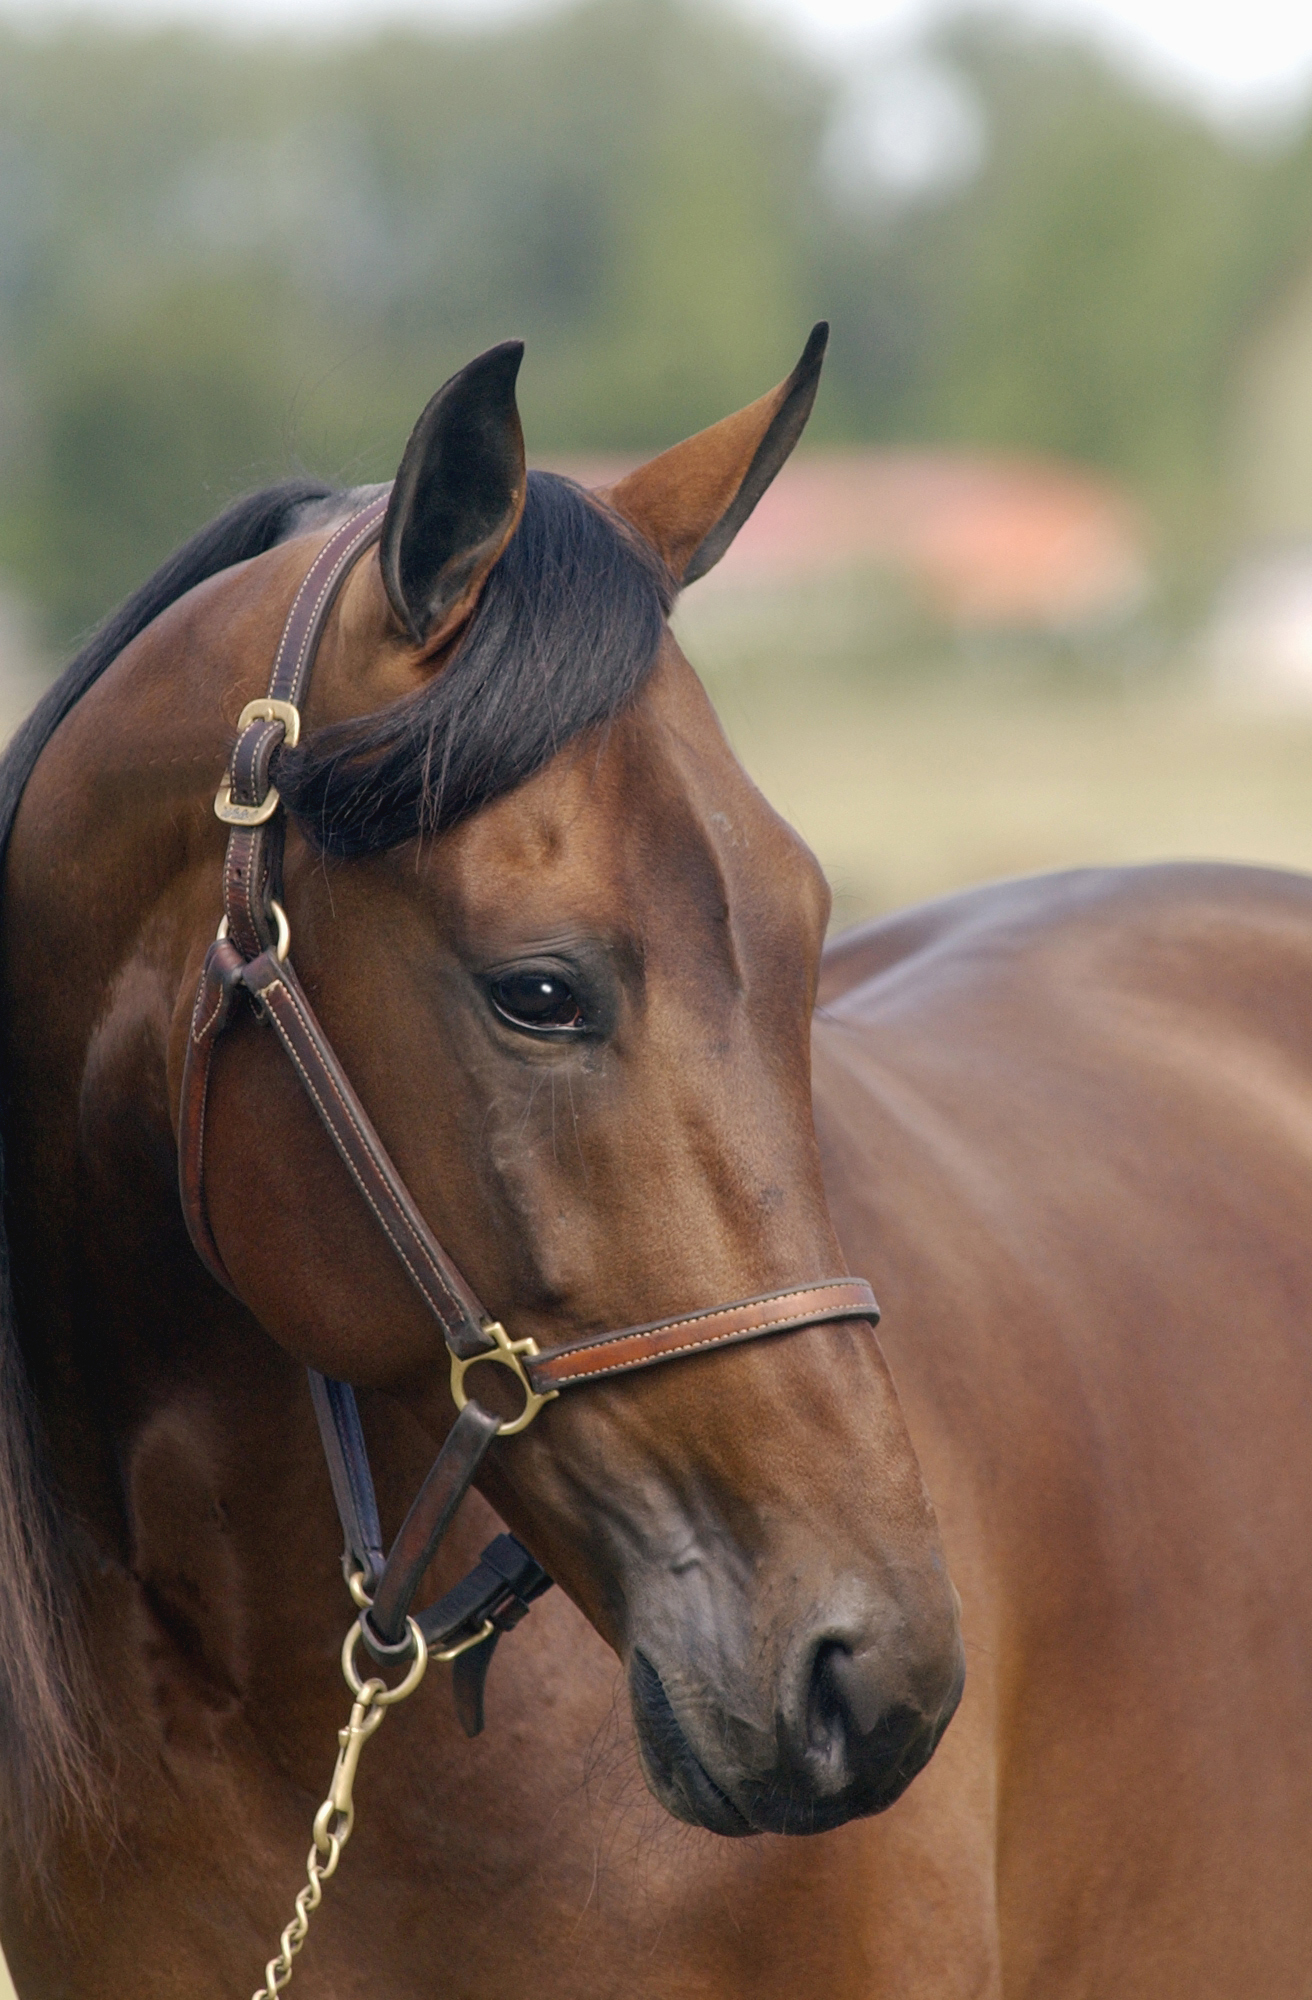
column 649, row 835
column 641, row 795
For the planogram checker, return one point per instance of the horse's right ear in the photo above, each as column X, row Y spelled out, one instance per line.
column 458, row 497
column 691, row 501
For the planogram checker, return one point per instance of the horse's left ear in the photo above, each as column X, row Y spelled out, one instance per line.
column 458, row 497
column 691, row 501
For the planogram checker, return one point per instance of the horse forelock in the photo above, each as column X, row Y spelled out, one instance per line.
column 50, row 1748
column 567, row 630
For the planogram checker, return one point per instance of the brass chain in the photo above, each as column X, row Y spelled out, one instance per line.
column 336, row 1816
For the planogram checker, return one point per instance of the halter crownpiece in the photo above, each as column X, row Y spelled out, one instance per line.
column 250, row 961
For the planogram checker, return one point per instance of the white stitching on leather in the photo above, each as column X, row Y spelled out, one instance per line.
column 709, row 1313
column 346, row 555
column 198, row 1033
column 542, row 1367
column 445, row 1293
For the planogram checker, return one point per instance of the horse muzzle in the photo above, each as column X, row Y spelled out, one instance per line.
column 850, row 1724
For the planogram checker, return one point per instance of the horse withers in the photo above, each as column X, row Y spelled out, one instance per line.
column 568, row 956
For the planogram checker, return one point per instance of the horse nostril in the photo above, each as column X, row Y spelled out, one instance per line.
column 860, row 1737
column 826, row 1714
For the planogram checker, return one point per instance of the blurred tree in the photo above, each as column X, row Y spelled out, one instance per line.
column 219, row 261
column 1085, row 291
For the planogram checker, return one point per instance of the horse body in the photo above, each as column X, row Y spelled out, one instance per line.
column 1068, row 1123
column 1065, row 1126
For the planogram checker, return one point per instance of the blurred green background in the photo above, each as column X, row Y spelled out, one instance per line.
column 222, row 260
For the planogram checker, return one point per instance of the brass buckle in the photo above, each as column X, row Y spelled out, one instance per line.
column 265, row 709
column 506, row 1354
column 227, row 809
column 485, row 1631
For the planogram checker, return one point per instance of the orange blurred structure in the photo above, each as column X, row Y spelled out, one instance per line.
column 991, row 541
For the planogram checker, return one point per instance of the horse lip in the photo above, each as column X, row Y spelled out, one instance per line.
column 703, row 1803
column 777, row 1809
column 681, row 1781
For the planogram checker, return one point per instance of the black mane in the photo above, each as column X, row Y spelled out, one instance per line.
column 566, row 632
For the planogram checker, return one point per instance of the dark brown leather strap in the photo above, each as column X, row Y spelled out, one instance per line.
column 248, row 873
column 352, row 1481
column 600, row 1354
column 252, row 758
column 316, row 596
column 499, row 1591
column 450, row 1300
column 253, row 865
column 220, row 983
column 448, row 1481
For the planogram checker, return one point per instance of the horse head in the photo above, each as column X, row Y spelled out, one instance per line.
column 568, row 955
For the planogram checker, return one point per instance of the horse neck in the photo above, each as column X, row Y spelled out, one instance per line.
column 184, row 1457
column 179, row 1439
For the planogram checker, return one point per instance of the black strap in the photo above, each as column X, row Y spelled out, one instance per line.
column 504, row 1582
column 425, row 1526
column 501, row 1586
column 352, row 1481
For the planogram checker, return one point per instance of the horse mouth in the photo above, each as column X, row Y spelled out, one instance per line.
column 680, row 1781
column 785, row 1803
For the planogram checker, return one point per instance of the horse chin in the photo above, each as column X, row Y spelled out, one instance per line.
column 779, row 1809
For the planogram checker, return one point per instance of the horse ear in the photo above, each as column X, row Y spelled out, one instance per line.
column 691, row 501
column 458, row 497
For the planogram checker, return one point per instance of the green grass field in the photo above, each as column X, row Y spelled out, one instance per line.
column 907, row 790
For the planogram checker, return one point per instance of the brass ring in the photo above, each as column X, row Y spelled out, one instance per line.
column 507, row 1354
column 385, row 1696
column 284, row 943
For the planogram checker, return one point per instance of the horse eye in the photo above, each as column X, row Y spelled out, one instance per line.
column 536, row 1000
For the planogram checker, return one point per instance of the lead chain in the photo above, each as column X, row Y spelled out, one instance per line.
column 336, row 1816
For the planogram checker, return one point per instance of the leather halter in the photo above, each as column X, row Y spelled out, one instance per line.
column 250, row 959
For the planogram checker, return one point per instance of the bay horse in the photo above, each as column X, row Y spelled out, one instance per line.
column 572, row 963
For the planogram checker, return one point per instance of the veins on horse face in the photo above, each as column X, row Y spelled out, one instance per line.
column 574, row 1123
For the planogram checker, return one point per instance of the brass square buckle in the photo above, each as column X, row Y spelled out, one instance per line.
column 265, row 709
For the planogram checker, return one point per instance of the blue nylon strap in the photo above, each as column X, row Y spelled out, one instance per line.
column 348, row 1469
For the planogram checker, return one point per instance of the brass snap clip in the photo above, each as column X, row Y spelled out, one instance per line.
column 507, row 1354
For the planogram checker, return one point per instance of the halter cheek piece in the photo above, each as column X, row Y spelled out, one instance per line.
column 250, row 959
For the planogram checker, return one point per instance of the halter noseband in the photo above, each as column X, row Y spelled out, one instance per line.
column 251, row 957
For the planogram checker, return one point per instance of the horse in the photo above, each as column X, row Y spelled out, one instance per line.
column 787, row 1725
